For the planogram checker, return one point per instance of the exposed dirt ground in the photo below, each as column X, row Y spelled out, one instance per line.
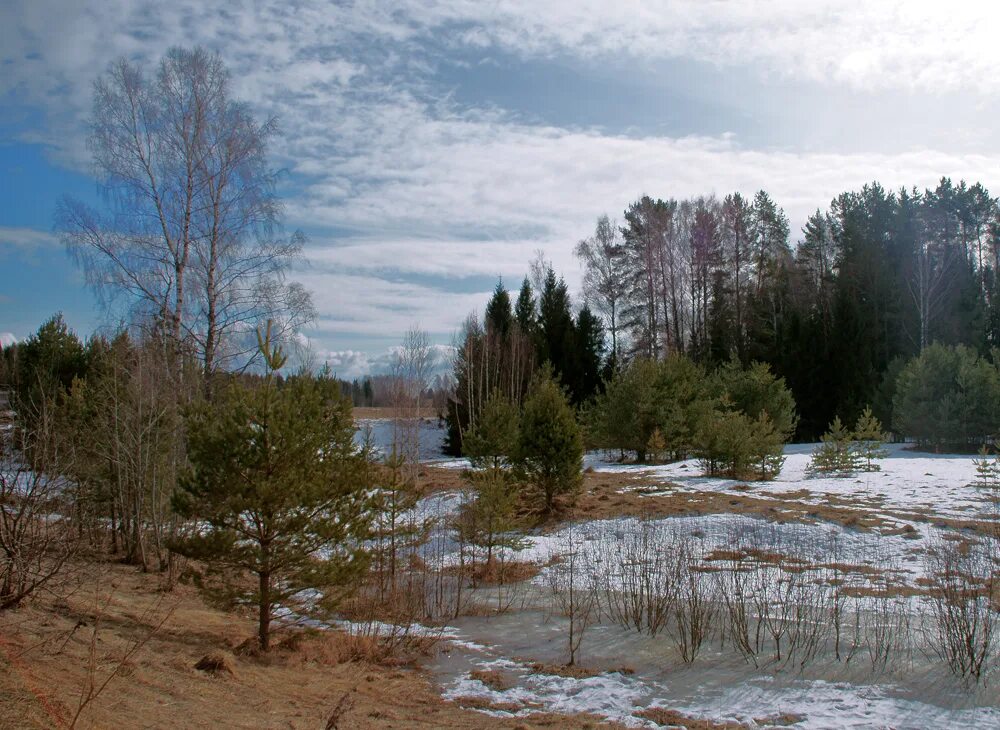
column 51, row 648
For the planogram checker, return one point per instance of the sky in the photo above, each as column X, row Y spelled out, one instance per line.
column 428, row 148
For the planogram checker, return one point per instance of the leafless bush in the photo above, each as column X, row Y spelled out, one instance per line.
column 696, row 605
column 964, row 621
column 573, row 588
column 36, row 539
column 637, row 575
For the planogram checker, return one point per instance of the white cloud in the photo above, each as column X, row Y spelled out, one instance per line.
column 433, row 189
column 26, row 239
column 353, row 306
column 7, row 339
column 350, row 364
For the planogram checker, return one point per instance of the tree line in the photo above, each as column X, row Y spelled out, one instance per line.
column 872, row 282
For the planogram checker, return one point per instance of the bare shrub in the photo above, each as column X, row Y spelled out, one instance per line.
column 636, row 572
column 965, row 582
column 695, row 608
column 573, row 590
column 36, row 539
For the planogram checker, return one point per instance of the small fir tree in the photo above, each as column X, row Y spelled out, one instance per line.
column 656, row 447
column 835, row 454
column 493, row 441
column 987, row 468
column 277, row 490
column 869, row 441
column 396, row 532
column 490, row 521
column 550, row 446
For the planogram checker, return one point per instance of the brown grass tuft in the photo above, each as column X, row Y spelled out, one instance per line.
column 492, row 678
column 216, row 662
column 671, row 718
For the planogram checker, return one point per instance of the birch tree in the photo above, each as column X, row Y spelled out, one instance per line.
column 188, row 233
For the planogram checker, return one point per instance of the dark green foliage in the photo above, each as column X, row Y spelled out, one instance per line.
column 550, row 446
column 490, row 521
column 869, row 441
column 682, row 397
column 947, row 396
column 589, row 340
column 277, row 490
column 493, row 441
column 47, row 363
column 836, row 453
column 744, row 434
column 756, row 391
column 624, row 416
column 524, row 310
column 499, row 316
column 671, row 396
column 731, row 443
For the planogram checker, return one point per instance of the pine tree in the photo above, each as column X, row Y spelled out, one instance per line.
column 869, row 440
column 396, row 531
column 278, row 490
column 493, row 441
column 490, row 521
column 835, row 454
column 550, row 446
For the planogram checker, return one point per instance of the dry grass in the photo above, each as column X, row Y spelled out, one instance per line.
column 613, row 494
column 495, row 572
column 431, row 479
column 492, row 678
column 783, row 719
column 44, row 648
column 671, row 718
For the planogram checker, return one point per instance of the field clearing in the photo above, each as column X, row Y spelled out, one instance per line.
column 872, row 536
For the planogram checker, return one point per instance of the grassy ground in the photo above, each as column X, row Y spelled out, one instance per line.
column 113, row 624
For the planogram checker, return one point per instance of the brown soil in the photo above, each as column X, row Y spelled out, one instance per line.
column 47, row 646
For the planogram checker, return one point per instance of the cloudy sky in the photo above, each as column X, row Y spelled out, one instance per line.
column 430, row 147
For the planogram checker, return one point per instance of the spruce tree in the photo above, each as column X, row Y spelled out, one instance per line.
column 869, row 440
column 590, row 353
column 277, row 490
column 987, row 469
column 835, row 454
column 499, row 316
column 555, row 334
column 550, row 446
column 524, row 309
